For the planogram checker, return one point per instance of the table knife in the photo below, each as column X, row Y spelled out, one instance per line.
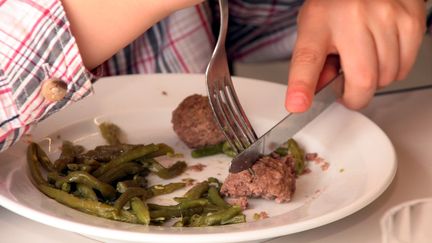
column 288, row 126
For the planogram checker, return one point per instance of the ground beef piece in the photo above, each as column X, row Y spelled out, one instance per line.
column 271, row 178
column 194, row 123
column 311, row 156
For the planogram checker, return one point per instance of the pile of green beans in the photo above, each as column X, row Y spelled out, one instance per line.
column 110, row 181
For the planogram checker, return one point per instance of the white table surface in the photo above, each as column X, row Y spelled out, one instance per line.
column 405, row 117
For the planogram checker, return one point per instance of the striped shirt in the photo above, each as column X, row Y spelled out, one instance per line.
column 36, row 44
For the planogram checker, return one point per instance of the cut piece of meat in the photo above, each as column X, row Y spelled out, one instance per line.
column 269, row 178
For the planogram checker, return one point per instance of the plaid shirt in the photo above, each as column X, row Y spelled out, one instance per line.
column 36, row 44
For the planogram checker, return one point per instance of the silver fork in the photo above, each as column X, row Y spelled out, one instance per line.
column 223, row 99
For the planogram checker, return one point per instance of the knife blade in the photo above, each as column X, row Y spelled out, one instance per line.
column 288, row 126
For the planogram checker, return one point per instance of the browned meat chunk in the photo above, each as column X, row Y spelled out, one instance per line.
column 194, row 123
column 271, row 178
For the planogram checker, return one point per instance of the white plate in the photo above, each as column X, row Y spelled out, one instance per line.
column 361, row 157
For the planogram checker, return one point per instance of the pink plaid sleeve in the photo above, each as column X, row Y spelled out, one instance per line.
column 36, row 45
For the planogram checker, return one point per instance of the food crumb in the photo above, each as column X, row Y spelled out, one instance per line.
column 261, row 215
column 306, row 171
column 164, row 93
column 311, row 156
column 198, row 167
column 188, row 181
column 325, row 166
column 320, row 162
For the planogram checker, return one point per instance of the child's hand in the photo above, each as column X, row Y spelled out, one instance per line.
column 377, row 42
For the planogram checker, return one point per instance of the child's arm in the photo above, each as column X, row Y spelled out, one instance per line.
column 102, row 27
column 41, row 41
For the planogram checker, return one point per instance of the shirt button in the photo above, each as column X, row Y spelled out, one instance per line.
column 54, row 90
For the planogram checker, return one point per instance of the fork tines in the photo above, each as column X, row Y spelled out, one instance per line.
column 230, row 115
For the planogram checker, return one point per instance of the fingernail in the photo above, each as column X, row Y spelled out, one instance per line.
column 296, row 102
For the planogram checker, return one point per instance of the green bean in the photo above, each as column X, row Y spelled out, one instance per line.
column 282, row 151
column 186, row 208
column 44, row 159
column 85, row 178
column 201, row 202
column 79, row 167
column 91, row 162
column 215, row 218
column 163, row 149
column 228, row 150
column 68, row 153
column 86, row 192
column 125, row 157
column 88, row 206
column 141, row 210
column 298, row 156
column 106, row 153
column 184, row 221
column 174, row 170
column 241, row 218
column 120, row 171
column 153, row 206
column 196, row 191
column 159, row 215
column 215, row 198
column 110, row 132
column 130, row 193
column 137, row 181
column 165, row 173
column 33, row 163
column 214, row 182
column 53, row 177
column 207, row 150
column 66, row 187
column 165, row 189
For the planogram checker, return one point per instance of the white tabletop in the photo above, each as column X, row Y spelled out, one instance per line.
column 405, row 117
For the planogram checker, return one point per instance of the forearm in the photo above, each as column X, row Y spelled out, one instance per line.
column 102, row 27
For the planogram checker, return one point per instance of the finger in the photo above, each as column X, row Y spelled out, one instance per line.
column 410, row 37
column 386, row 37
column 330, row 70
column 307, row 62
column 360, row 65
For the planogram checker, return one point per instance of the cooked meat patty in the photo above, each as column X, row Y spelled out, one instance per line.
column 194, row 123
column 270, row 178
